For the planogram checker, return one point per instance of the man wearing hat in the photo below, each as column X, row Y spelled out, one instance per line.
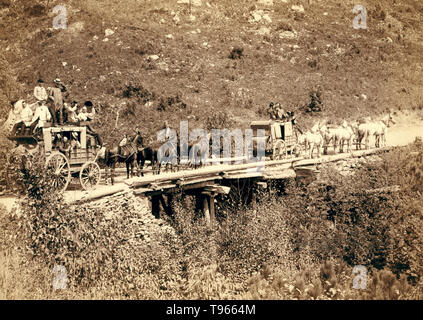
column 56, row 140
column 138, row 140
column 26, row 118
column 40, row 92
column 271, row 110
column 15, row 116
column 55, row 94
column 70, row 115
column 74, row 140
column 280, row 112
column 74, row 143
column 64, row 146
column 84, row 115
column 41, row 116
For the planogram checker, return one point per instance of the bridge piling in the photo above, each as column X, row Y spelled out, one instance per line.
column 155, row 206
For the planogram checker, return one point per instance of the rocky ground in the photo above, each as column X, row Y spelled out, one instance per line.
column 145, row 224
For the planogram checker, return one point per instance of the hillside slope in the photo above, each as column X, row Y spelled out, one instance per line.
column 171, row 60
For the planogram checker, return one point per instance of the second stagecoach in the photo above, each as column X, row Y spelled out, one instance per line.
column 281, row 138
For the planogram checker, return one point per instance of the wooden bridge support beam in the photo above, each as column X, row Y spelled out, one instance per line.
column 170, row 204
column 208, row 207
column 204, row 202
column 212, row 213
column 165, row 207
column 158, row 200
column 155, row 206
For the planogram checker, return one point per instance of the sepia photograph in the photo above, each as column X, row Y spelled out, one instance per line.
column 211, row 155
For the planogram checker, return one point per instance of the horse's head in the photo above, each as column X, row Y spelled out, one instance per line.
column 390, row 119
column 315, row 127
column 354, row 126
column 323, row 129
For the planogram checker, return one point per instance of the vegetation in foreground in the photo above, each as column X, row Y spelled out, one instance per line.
column 301, row 242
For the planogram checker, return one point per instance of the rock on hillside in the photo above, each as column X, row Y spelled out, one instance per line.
column 289, row 50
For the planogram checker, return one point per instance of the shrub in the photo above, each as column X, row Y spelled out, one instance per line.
column 236, row 53
column 298, row 243
column 284, row 26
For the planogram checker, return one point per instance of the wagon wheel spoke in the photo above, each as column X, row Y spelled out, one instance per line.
column 61, row 181
column 60, row 169
column 90, row 175
column 86, row 179
column 58, row 164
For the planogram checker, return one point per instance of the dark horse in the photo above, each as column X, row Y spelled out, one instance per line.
column 154, row 155
column 147, row 153
column 197, row 154
column 110, row 157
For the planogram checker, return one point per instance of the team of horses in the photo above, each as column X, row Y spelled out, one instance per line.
column 135, row 157
column 325, row 136
column 321, row 136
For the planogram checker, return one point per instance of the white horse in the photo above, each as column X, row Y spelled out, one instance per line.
column 346, row 135
column 380, row 130
column 371, row 128
column 364, row 131
column 302, row 142
column 329, row 135
column 311, row 141
column 199, row 152
column 338, row 136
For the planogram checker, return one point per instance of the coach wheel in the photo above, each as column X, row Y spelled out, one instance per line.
column 58, row 165
column 90, row 175
column 282, row 151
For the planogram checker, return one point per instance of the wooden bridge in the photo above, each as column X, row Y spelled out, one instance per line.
column 206, row 182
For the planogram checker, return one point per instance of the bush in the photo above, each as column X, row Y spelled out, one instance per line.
column 236, row 53
column 219, row 120
column 298, row 244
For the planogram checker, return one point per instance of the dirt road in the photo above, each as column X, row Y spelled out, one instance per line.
column 405, row 131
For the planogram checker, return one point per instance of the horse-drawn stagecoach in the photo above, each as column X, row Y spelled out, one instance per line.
column 281, row 137
column 80, row 161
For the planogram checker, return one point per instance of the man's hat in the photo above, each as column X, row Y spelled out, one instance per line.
column 57, row 80
column 40, row 81
column 75, row 135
